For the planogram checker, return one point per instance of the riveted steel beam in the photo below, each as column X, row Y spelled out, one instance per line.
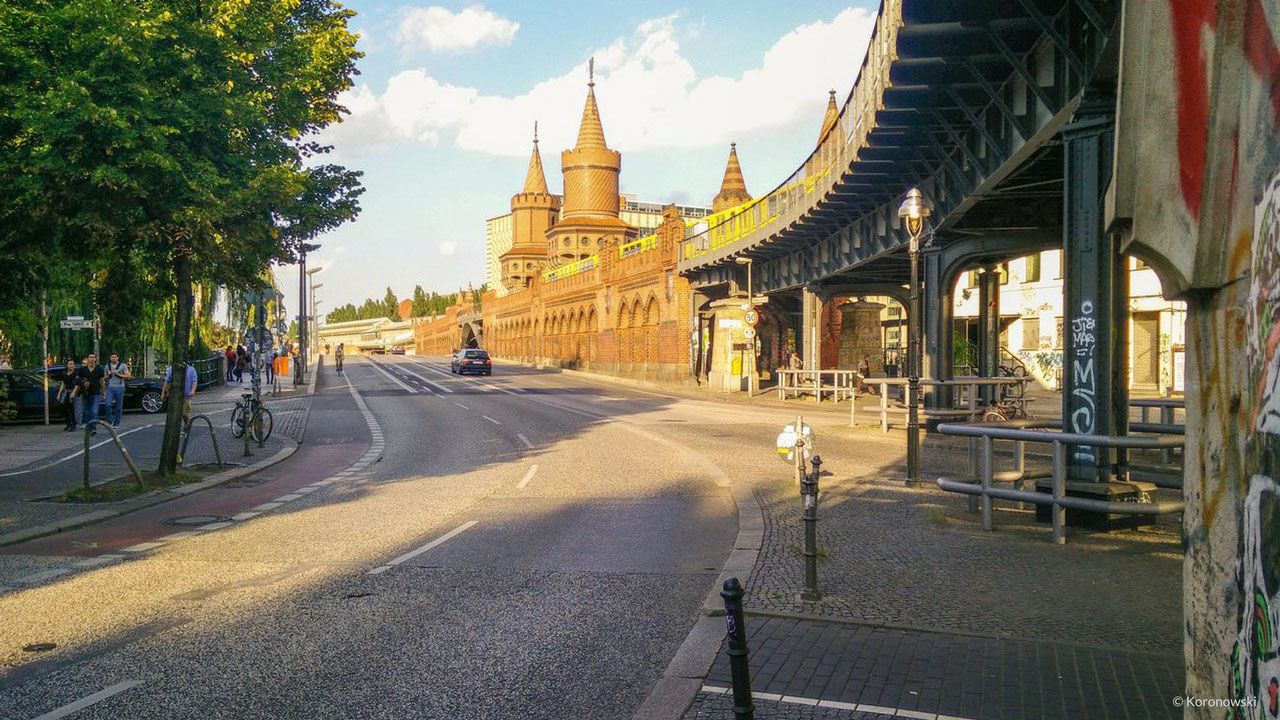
column 997, row 99
column 1021, row 68
column 978, row 125
column 1047, row 27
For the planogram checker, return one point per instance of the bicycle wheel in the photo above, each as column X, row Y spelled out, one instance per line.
column 993, row 415
column 267, row 423
column 237, row 421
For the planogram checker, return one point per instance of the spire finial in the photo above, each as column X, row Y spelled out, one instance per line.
column 733, row 145
column 535, row 132
column 591, row 72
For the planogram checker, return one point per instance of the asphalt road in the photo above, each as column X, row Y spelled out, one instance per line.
column 526, row 545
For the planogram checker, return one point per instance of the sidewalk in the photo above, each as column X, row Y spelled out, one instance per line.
column 925, row 615
column 38, row 463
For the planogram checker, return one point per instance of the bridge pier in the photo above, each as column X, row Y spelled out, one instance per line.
column 1095, row 347
column 811, row 303
column 936, row 326
column 989, row 327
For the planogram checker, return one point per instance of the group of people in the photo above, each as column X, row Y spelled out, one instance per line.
column 90, row 386
column 240, row 361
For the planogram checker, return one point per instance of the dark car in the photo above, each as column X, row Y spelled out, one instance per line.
column 397, row 350
column 139, row 393
column 476, row 361
column 25, row 390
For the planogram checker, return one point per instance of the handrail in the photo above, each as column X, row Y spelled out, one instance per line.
column 835, row 149
column 571, row 269
column 1023, row 432
column 186, row 437
column 115, row 436
column 637, row 246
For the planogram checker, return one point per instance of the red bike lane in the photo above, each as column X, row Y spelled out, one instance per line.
column 309, row 464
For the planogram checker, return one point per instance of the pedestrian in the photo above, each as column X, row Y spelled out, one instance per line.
column 271, row 364
column 230, row 354
column 339, row 355
column 188, row 389
column 91, row 385
column 66, row 396
column 242, row 361
column 794, row 363
column 864, row 372
column 117, row 373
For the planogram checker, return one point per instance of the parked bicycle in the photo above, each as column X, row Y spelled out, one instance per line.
column 1011, row 405
column 253, row 416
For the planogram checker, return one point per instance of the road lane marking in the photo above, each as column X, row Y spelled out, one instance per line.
column 142, row 547
column 241, row 517
column 464, row 407
column 486, row 417
column 415, row 553
column 93, row 699
column 525, row 440
column 527, row 477
column 390, row 377
column 266, row 506
column 423, row 379
column 75, row 454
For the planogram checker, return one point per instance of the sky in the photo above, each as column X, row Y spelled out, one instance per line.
column 442, row 113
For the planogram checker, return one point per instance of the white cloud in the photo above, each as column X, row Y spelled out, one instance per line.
column 448, row 247
column 439, row 29
column 649, row 94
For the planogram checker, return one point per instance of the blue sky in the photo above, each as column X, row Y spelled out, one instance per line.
column 442, row 114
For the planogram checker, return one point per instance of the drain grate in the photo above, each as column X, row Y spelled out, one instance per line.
column 192, row 520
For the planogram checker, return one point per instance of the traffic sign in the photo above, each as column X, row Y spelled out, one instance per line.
column 749, row 333
column 77, row 324
column 752, row 317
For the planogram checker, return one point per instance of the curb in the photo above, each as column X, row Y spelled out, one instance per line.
column 156, row 498
column 680, row 683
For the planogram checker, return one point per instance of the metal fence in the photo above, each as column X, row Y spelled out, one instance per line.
column 209, row 371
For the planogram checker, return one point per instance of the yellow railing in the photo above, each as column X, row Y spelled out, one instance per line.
column 635, row 247
column 571, row 269
column 834, row 152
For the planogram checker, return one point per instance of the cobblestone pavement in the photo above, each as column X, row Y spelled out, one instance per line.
column 717, row 705
column 917, row 558
column 953, row 675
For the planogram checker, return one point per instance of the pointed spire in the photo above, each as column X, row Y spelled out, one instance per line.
column 831, row 118
column 733, row 188
column 534, row 180
column 591, row 132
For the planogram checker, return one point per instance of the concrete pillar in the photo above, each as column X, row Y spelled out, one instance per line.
column 988, row 327
column 1095, row 396
column 860, row 335
column 730, row 349
column 936, row 326
column 810, row 328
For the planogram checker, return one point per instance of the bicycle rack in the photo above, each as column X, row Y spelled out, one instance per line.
column 186, row 437
column 123, row 452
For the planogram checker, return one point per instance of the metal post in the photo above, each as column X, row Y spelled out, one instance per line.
column 809, row 491
column 736, row 634
column 799, row 451
column 986, row 481
column 1056, row 511
column 85, row 474
column 44, row 351
column 913, row 377
column 124, row 452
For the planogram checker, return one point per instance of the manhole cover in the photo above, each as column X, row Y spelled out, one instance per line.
column 190, row 520
column 39, row 647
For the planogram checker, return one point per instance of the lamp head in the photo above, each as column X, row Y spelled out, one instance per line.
column 742, row 260
column 913, row 211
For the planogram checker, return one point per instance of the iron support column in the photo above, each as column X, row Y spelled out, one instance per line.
column 1094, row 398
column 989, row 327
column 913, row 372
column 810, row 320
column 937, row 326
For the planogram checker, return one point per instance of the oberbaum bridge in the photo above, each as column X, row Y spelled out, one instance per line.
column 977, row 132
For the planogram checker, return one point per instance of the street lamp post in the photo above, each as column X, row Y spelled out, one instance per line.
column 913, row 212
column 302, row 309
column 313, row 330
column 751, row 341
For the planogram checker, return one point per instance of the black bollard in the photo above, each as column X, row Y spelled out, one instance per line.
column 809, row 491
column 743, row 708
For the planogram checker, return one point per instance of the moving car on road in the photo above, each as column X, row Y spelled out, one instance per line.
column 476, row 361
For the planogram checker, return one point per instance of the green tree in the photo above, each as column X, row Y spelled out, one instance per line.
column 173, row 135
column 391, row 305
column 420, row 302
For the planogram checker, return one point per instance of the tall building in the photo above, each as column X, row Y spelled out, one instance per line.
column 497, row 241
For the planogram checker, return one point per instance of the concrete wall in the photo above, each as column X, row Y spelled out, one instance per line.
column 1196, row 193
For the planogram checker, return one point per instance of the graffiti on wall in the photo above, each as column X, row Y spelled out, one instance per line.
column 1255, row 659
column 1084, row 388
column 1264, row 310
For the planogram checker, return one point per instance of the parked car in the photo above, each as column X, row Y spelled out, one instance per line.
column 397, row 350
column 24, row 390
column 476, row 361
column 139, row 393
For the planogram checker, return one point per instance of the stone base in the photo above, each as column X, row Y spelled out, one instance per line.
column 1105, row 491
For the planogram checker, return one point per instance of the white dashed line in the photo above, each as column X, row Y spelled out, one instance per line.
column 486, row 417
column 464, row 407
column 837, row 705
column 93, row 699
column 142, row 547
column 241, row 517
column 525, row 440
column 527, row 477
column 390, row 377
column 415, row 553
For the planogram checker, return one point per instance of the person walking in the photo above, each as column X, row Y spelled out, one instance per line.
column 188, row 389
column 91, row 385
column 66, row 396
column 230, row 354
column 242, row 361
column 338, row 355
column 117, row 373
column 270, row 367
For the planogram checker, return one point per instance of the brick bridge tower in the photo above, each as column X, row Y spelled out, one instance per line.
column 533, row 212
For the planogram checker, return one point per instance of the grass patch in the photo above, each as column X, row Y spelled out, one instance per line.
column 126, row 486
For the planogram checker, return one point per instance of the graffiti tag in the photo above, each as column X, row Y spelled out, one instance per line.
column 1084, row 385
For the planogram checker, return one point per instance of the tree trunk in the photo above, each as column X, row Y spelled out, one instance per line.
column 178, row 367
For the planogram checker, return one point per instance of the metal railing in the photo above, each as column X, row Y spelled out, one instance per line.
column 186, row 437
column 966, row 402
column 635, row 247
column 839, row 384
column 209, row 371
column 1022, row 432
column 124, row 452
column 571, row 269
